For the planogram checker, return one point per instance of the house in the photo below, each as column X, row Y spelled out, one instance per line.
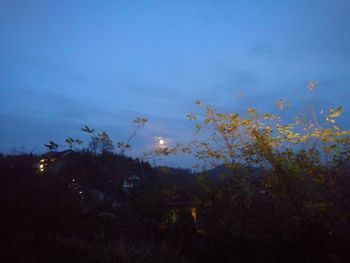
column 53, row 161
column 131, row 182
column 180, row 209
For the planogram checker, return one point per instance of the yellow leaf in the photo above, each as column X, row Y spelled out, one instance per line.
column 336, row 113
column 281, row 104
column 327, row 133
column 252, row 112
column 312, row 85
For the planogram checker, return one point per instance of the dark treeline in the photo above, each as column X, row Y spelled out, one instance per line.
column 82, row 207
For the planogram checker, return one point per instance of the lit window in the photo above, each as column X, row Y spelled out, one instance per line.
column 194, row 213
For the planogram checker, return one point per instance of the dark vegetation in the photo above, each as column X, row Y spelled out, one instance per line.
column 57, row 215
column 47, row 217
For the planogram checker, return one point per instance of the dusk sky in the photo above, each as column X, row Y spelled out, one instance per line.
column 64, row 64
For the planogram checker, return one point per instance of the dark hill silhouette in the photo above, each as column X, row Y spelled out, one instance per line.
column 222, row 171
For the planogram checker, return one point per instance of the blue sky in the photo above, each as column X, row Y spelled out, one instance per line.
column 103, row 63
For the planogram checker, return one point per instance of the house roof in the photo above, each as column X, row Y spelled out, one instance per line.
column 53, row 154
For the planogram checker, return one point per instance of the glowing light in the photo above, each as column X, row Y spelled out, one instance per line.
column 161, row 141
column 194, row 213
column 41, row 166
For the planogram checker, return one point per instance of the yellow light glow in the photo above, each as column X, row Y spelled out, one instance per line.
column 194, row 213
column 41, row 166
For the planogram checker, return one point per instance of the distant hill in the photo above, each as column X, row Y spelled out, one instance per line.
column 222, row 170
